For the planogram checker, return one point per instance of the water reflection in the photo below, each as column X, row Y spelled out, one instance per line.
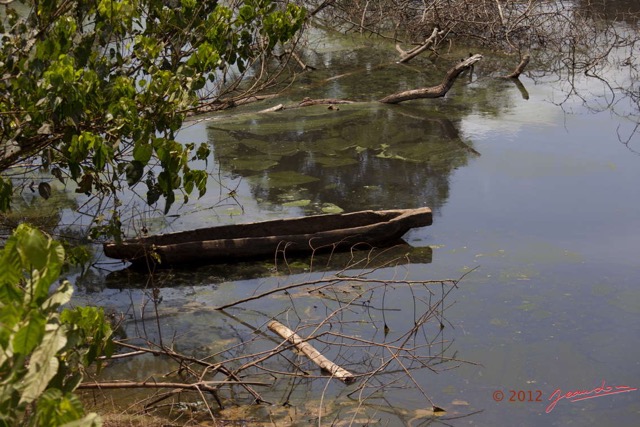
column 361, row 257
column 378, row 157
column 626, row 10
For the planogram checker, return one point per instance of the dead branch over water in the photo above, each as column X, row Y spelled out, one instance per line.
column 435, row 91
column 259, row 365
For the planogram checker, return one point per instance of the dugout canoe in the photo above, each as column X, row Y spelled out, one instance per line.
column 291, row 236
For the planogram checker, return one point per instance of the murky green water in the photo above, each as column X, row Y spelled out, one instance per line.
column 541, row 200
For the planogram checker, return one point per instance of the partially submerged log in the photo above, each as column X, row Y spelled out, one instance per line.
column 306, row 102
column 314, row 355
column 434, row 91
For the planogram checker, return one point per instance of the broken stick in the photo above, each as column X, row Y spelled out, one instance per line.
column 309, row 351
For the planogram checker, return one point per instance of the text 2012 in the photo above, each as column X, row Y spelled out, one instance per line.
column 518, row 396
column 525, row 395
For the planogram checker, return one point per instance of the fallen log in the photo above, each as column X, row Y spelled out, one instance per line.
column 314, row 355
column 434, row 91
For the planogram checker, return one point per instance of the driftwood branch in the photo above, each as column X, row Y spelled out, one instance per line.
column 314, row 355
column 520, row 68
column 272, row 109
column 306, row 102
column 406, row 56
column 434, row 91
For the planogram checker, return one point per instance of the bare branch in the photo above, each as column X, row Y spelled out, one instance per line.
column 434, row 91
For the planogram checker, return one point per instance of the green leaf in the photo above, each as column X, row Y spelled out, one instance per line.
column 142, row 152
column 169, row 199
column 33, row 247
column 43, row 364
column 61, row 296
column 153, row 194
column 11, row 271
column 203, row 151
column 29, row 335
column 57, row 409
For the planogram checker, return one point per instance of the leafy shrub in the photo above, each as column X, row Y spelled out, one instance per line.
column 43, row 350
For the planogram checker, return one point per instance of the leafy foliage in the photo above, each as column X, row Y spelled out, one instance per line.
column 109, row 83
column 43, row 351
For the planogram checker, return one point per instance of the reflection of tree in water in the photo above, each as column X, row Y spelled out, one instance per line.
column 32, row 208
column 624, row 10
column 375, row 160
column 594, row 57
column 373, row 182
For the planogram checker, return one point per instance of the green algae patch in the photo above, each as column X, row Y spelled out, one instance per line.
column 297, row 203
column 330, row 208
column 288, row 179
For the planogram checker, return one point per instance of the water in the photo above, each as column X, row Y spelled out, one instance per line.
column 536, row 204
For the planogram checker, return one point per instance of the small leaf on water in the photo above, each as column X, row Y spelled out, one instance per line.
column 45, row 190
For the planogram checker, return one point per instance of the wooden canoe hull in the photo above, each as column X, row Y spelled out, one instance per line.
column 229, row 243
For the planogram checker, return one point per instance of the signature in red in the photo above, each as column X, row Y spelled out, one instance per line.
column 578, row 395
